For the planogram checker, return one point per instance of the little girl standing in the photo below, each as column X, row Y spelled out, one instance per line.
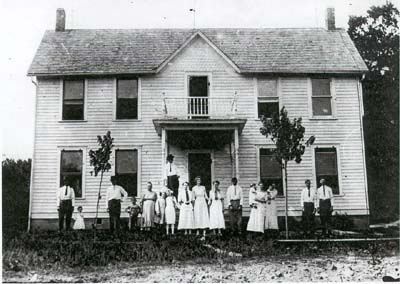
column 79, row 220
column 170, row 215
column 160, row 209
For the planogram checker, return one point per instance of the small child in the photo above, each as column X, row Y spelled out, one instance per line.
column 79, row 220
column 170, row 214
column 160, row 209
column 134, row 212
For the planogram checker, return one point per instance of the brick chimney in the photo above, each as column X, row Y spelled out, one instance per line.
column 60, row 20
column 330, row 19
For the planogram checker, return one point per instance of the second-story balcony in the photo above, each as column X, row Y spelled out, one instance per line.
column 200, row 107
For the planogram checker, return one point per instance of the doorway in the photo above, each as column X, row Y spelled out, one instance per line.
column 199, row 164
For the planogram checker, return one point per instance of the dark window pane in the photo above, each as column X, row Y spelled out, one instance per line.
column 268, row 109
column 198, row 86
column 73, row 100
column 270, row 170
column 71, row 167
column 321, row 87
column 127, row 88
column 126, row 165
column 322, row 106
column 327, row 168
column 126, row 161
column 74, row 89
column 267, row 87
column 127, row 108
column 127, row 99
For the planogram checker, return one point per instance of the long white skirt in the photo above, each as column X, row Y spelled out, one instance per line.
column 271, row 216
column 260, row 218
column 170, row 216
column 201, row 218
column 253, row 224
column 217, row 220
column 186, row 218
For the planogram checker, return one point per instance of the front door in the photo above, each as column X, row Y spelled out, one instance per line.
column 200, row 165
column 198, row 93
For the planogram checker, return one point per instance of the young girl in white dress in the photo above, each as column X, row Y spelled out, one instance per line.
column 79, row 220
column 170, row 214
column 160, row 208
column 185, row 200
column 201, row 218
column 252, row 225
column 217, row 220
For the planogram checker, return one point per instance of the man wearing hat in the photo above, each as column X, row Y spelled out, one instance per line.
column 65, row 204
column 171, row 176
column 325, row 197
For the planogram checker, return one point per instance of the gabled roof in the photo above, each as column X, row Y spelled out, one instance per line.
column 143, row 51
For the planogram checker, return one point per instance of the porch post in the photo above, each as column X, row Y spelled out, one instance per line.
column 237, row 152
column 163, row 153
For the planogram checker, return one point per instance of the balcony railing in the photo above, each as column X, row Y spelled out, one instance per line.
column 200, row 107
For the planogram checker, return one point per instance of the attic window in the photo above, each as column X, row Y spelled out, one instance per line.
column 127, row 99
column 73, row 100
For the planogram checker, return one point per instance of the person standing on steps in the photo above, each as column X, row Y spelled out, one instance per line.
column 171, row 176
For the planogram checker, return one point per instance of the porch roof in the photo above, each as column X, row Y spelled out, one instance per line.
column 199, row 124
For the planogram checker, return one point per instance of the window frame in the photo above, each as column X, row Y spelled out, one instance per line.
column 139, row 99
column 198, row 74
column 333, row 115
column 84, row 157
column 277, row 99
column 139, row 165
column 61, row 102
column 339, row 166
column 258, row 156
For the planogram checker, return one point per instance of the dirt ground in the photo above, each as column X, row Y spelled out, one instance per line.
column 276, row 269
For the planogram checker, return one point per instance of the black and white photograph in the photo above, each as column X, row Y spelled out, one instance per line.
column 202, row 141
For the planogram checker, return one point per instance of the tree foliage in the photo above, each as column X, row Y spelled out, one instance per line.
column 288, row 137
column 100, row 160
column 15, row 193
column 376, row 36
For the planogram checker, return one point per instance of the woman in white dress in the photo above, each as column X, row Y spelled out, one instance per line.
column 79, row 220
column 201, row 218
column 271, row 216
column 252, row 225
column 170, row 214
column 217, row 220
column 148, row 204
column 261, row 200
column 185, row 200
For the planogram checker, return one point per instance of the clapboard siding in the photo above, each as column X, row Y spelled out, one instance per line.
column 52, row 135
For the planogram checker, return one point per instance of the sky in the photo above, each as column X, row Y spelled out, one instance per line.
column 22, row 24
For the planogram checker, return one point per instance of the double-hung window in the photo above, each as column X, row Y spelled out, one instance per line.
column 321, row 97
column 73, row 100
column 270, row 170
column 326, row 167
column 71, row 169
column 267, row 98
column 126, row 170
column 127, row 99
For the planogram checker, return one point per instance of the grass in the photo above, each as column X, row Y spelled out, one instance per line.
column 50, row 250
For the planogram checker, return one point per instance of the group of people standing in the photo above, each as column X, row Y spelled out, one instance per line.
column 199, row 210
